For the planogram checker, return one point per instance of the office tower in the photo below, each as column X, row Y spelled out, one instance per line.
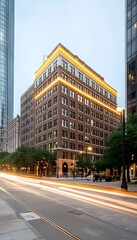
column 6, row 68
column 75, row 109
column 27, row 117
column 131, row 56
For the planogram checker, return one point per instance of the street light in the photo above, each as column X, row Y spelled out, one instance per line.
column 89, row 148
column 124, row 182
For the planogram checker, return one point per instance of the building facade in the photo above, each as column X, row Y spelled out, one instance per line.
column 6, row 68
column 131, row 56
column 27, row 118
column 131, row 64
column 13, row 135
column 75, row 109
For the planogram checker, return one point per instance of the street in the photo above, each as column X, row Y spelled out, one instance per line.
column 62, row 211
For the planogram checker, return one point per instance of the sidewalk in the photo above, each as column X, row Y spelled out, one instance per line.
column 14, row 228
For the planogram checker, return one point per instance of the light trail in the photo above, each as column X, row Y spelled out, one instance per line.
column 115, row 204
column 68, row 185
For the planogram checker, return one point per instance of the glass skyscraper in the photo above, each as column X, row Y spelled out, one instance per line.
column 6, row 68
column 131, row 59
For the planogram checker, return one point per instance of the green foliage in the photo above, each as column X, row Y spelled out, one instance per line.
column 84, row 163
column 25, row 157
column 113, row 157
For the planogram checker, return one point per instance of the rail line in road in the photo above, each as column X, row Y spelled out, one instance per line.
column 49, row 221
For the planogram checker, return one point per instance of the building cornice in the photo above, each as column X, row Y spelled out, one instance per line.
column 77, row 62
column 61, row 80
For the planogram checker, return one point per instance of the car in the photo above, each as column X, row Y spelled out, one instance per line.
column 90, row 177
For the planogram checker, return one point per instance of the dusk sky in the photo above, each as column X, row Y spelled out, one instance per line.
column 94, row 30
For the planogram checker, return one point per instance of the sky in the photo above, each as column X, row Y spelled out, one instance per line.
column 94, row 30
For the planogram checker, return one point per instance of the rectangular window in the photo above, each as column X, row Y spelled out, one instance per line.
column 72, row 146
column 87, row 80
column 44, row 106
column 64, row 64
column 80, row 98
column 80, row 76
column 64, row 76
column 80, row 86
column 49, row 135
column 87, row 102
column 64, row 144
column 80, row 118
column 49, row 70
column 64, row 90
column 55, row 65
column 49, row 103
column 72, row 114
column 55, row 122
column 72, row 70
column 50, row 93
column 44, row 75
column 87, row 111
column 72, row 135
column 87, row 120
column 49, row 125
column 44, row 137
column 64, row 123
column 72, row 104
column 80, row 128
column 64, row 134
column 87, row 130
column 64, row 112
column 87, row 139
column 64, row 101
column 55, row 100
column 44, row 127
column 80, row 108
column 44, row 96
column 97, row 88
column 93, row 84
column 80, row 138
column 72, row 81
column 106, row 94
column 44, row 116
column 55, row 89
column 72, row 125
column 55, row 111
column 55, row 134
column 72, row 94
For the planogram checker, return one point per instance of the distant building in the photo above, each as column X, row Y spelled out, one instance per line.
column 131, row 56
column 13, row 134
column 75, row 109
column 6, row 68
column 27, row 117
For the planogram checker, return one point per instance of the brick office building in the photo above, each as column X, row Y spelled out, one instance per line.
column 75, row 109
column 27, row 118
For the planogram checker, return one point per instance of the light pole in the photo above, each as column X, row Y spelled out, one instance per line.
column 124, row 182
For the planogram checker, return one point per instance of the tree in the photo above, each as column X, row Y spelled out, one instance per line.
column 113, row 157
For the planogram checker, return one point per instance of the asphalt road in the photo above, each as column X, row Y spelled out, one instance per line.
column 61, row 211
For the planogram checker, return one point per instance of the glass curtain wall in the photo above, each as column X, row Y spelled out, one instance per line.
column 131, row 56
column 6, row 68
